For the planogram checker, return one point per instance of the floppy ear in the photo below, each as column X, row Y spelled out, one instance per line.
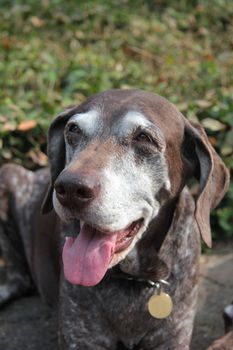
column 56, row 153
column 213, row 176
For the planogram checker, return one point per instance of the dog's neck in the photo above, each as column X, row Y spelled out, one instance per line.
column 159, row 227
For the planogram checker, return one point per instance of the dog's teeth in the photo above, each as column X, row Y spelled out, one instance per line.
column 66, row 237
column 81, row 223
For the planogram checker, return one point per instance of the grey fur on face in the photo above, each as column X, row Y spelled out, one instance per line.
column 126, row 176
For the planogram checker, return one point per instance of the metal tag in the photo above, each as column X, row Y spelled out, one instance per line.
column 160, row 305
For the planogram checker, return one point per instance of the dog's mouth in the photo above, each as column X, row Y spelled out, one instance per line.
column 87, row 257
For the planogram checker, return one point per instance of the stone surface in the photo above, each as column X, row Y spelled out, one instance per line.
column 215, row 292
column 28, row 324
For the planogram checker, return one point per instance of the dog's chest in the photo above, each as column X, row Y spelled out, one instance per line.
column 125, row 305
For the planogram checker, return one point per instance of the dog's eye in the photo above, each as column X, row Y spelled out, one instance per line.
column 143, row 137
column 74, row 128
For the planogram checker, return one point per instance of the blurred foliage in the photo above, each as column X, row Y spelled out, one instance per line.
column 54, row 53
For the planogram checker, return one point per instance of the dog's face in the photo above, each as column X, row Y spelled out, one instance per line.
column 120, row 157
column 125, row 160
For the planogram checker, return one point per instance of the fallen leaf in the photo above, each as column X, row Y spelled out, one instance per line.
column 27, row 125
column 6, row 42
column 226, row 150
column 37, row 22
column 209, row 57
column 79, row 34
column 3, row 119
column 203, row 103
column 7, row 154
column 213, row 141
column 210, row 94
column 60, row 16
column 203, row 31
column 38, row 157
column 213, row 124
column 182, row 106
column 229, row 137
column 15, row 108
column 9, row 126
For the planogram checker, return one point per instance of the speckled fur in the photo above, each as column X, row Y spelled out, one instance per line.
column 21, row 195
column 116, row 309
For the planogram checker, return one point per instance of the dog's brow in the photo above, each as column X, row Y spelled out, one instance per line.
column 89, row 122
column 130, row 121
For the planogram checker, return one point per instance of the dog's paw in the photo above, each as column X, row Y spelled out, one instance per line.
column 5, row 294
column 12, row 291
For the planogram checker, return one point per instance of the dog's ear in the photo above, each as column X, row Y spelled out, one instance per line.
column 204, row 163
column 56, row 153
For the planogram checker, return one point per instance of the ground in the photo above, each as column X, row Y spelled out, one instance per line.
column 215, row 292
column 28, row 324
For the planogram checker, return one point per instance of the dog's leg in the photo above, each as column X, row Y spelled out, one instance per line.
column 18, row 280
column 13, row 181
column 168, row 339
column 82, row 322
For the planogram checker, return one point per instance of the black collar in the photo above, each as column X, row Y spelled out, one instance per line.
column 118, row 274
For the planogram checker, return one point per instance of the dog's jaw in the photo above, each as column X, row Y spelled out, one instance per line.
column 88, row 256
column 118, row 257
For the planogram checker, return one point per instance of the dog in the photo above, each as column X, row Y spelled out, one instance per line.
column 119, row 224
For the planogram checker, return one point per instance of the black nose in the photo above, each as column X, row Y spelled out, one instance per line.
column 75, row 190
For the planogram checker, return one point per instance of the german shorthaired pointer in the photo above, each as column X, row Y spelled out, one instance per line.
column 119, row 164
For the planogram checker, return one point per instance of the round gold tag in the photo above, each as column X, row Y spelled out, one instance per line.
column 160, row 305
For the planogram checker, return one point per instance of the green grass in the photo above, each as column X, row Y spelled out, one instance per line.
column 54, row 53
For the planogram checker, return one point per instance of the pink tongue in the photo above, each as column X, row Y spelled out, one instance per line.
column 87, row 257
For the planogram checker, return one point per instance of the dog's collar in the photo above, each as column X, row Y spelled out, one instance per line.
column 155, row 284
column 117, row 273
column 159, row 304
column 149, row 282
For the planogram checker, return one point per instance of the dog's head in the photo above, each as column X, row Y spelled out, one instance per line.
column 115, row 161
